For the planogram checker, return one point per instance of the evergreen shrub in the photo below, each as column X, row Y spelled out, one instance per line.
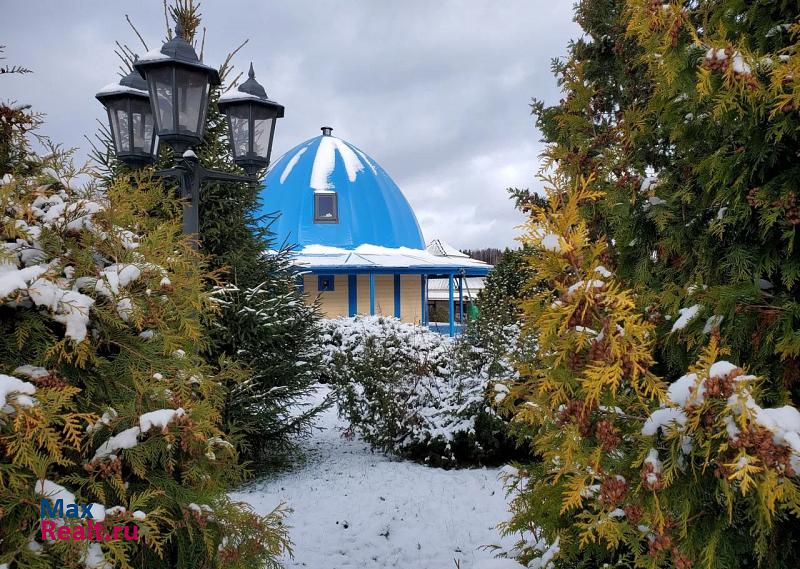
column 105, row 397
column 407, row 390
column 633, row 471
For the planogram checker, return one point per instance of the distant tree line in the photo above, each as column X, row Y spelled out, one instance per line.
column 489, row 255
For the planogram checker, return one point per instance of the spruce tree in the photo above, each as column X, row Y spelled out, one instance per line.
column 266, row 324
column 491, row 340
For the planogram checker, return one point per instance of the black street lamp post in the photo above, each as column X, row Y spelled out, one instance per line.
column 172, row 86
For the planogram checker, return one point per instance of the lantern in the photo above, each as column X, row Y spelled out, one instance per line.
column 131, row 120
column 178, row 84
column 251, row 123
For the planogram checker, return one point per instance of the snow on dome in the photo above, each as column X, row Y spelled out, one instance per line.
column 371, row 208
column 325, row 162
column 292, row 163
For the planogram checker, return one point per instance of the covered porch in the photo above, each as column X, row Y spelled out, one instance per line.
column 392, row 282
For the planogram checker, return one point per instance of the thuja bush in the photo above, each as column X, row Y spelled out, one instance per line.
column 685, row 113
column 406, row 390
column 104, row 396
column 632, row 471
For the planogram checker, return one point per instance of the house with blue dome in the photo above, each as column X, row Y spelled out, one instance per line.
column 356, row 236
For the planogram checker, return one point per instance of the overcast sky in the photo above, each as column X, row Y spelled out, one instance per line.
column 437, row 92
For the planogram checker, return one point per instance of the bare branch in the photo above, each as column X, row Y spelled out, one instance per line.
column 141, row 39
column 203, row 43
column 233, row 83
column 129, row 51
column 127, row 56
column 166, row 21
column 14, row 69
column 225, row 68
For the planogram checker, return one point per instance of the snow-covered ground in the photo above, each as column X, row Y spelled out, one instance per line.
column 357, row 509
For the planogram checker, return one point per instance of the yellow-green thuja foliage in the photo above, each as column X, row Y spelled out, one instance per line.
column 104, row 396
column 631, row 471
column 720, row 209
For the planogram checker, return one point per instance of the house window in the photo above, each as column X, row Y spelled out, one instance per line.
column 326, row 208
column 325, row 283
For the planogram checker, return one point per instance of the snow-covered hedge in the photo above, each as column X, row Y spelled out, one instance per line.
column 414, row 392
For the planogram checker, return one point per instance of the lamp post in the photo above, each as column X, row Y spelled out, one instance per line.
column 166, row 96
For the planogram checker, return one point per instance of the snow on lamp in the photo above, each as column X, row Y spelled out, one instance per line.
column 251, row 119
column 178, row 83
column 131, row 120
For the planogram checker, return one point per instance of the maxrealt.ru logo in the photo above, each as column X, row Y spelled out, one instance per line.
column 53, row 516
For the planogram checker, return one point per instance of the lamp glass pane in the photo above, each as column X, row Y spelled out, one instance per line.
column 262, row 130
column 160, row 83
column 118, row 116
column 192, row 86
column 142, row 119
column 239, row 121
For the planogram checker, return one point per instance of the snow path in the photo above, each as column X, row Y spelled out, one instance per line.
column 357, row 509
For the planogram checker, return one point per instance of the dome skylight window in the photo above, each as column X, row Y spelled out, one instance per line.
column 326, row 208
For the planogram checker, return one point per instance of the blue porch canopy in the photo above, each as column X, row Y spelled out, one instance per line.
column 374, row 260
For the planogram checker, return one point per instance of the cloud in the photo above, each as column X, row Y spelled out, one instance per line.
column 437, row 92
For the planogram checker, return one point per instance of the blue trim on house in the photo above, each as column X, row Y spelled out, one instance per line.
column 461, row 300
column 352, row 295
column 450, row 306
column 435, row 272
column 397, row 296
column 372, row 295
column 424, row 298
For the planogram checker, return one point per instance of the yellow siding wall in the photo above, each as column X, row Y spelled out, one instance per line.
column 410, row 298
column 384, row 294
column 335, row 303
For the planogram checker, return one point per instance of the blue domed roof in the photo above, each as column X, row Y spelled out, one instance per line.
column 371, row 208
